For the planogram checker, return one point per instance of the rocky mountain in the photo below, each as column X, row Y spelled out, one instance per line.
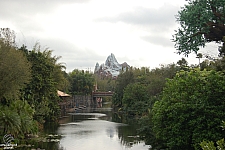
column 111, row 67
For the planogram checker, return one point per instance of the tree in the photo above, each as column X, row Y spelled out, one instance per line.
column 201, row 21
column 25, row 112
column 124, row 78
column 17, row 119
column 81, row 82
column 47, row 76
column 199, row 56
column 205, row 145
column 222, row 49
column 107, row 84
column 135, row 99
column 9, row 120
column 216, row 64
column 183, row 64
column 211, row 145
column 8, row 37
column 191, row 109
column 14, row 71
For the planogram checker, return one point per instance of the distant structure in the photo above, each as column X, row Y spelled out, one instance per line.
column 111, row 67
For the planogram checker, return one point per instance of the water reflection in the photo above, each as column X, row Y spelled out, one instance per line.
column 93, row 128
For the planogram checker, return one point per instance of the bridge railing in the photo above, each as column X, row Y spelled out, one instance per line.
column 100, row 94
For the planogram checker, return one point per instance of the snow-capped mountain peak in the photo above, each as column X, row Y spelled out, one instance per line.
column 110, row 68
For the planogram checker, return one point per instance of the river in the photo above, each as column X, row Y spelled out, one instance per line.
column 95, row 129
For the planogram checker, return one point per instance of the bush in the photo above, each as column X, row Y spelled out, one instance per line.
column 191, row 109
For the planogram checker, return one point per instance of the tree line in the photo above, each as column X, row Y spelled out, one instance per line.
column 177, row 106
column 29, row 80
column 180, row 106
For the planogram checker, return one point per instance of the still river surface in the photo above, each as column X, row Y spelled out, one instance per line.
column 96, row 129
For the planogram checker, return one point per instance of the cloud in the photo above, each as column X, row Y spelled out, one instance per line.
column 163, row 16
column 158, row 40
column 85, row 32
column 72, row 56
column 154, row 23
column 29, row 7
column 30, row 14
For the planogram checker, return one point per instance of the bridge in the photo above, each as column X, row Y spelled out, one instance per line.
column 72, row 103
column 97, row 96
column 102, row 94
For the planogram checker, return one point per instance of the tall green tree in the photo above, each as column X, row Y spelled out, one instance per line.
column 154, row 80
column 14, row 70
column 47, row 75
column 123, row 79
column 182, row 63
column 201, row 21
column 135, row 99
column 191, row 109
column 81, row 82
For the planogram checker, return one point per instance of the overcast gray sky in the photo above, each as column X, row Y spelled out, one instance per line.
column 84, row 32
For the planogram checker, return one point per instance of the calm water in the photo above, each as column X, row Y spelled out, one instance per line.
column 95, row 129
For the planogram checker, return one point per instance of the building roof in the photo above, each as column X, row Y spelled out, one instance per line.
column 62, row 94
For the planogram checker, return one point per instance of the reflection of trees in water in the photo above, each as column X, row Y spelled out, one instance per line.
column 128, row 136
column 61, row 148
column 110, row 132
column 116, row 117
column 127, row 133
column 53, row 145
column 42, row 145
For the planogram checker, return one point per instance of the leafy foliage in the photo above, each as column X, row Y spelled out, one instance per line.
column 136, row 91
column 106, row 84
column 47, row 76
column 122, row 81
column 211, row 145
column 135, row 99
column 201, row 21
column 34, row 77
column 81, row 82
column 14, row 71
column 8, row 37
column 152, row 81
column 17, row 119
column 191, row 109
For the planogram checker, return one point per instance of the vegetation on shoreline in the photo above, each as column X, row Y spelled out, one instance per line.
column 28, row 87
column 180, row 106
column 177, row 106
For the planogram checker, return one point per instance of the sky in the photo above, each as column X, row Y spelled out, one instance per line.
column 84, row 32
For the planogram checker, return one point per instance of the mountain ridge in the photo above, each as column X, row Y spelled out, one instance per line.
column 111, row 67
